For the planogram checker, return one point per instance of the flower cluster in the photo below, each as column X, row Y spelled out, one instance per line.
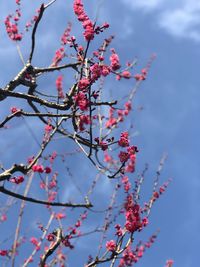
column 123, row 156
column 15, row 110
column 130, row 167
column 83, row 83
column 102, row 144
column 35, row 242
column 130, row 157
column 51, row 183
column 12, row 27
column 157, row 194
column 134, row 222
column 82, row 101
column 40, row 168
column 51, row 196
column 84, row 120
column 119, row 230
column 17, row 179
column 126, row 74
column 86, row 22
column 126, row 183
column 48, row 128
column 132, row 214
column 142, row 76
column 99, row 70
column 65, row 37
column 74, row 231
column 112, row 121
column 128, row 259
column 130, row 256
column 59, row 55
column 52, row 157
column 111, row 245
column 114, row 60
column 123, row 141
column 96, row 71
column 50, row 237
column 59, row 86
column 47, row 131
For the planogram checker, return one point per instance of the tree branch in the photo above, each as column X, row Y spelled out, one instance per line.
column 43, row 202
column 35, row 99
column 42, row 8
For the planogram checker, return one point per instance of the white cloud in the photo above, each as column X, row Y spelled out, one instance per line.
column 144, row 4
column 179, row 18
column 181, row 23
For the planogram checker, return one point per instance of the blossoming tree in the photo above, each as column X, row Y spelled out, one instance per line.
column 55, row 195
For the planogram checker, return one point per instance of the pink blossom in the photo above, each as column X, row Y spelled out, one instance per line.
column 169, row 263
column 83, row 83
column 126, row 74
column 66, row 34
column 123, row 141
column 50, row 237
column 107, row 158
column 123, row 156
column 47, row 170
column 12, row 29
column 86, row 22
column 60, row 216
column 59, row 86
column 105, row 70
column 139, row 77
column 84, row 120
column 111, row 245
column 3, row 218
column 38, row 168
column 96, row 71
column 3, row 252
column 119, row 230
column 59, row 55
column 128, row 106
column 82, row 101
column 34, row 241
column 114, row 59
column 17, row 179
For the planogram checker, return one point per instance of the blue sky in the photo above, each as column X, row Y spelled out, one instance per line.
column 169, row 121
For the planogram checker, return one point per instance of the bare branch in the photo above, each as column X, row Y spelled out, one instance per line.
column 35, row 99
column 42, row 8
column 43, row 202
column 50, row 69
column 38, row 114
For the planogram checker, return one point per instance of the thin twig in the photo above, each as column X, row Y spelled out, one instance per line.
column 20, row 218
column 41, row 239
